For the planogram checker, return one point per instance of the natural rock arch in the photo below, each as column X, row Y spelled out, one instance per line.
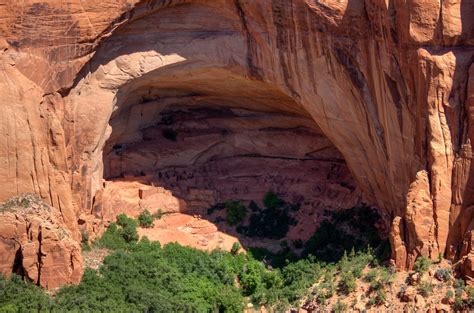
column 390, row 87
column 354, row 106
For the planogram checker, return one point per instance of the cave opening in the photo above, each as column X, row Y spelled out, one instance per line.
column 188, row 150
column 185, row 118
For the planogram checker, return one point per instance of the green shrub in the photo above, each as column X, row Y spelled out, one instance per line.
column 119, row 235
column 378, row 299
column 272, row 201
column 145, row 219
column 159, row 214
column 347, row 283
column 371, row 276
column 320, row 297
column 355, row 263
column 235, row 248
column 236, row 212
column 422, row 264
column 443, row 274
column 251, row 278
column 425, row 288
column 129, row 233
column 459, row 285
column 129, row 228
column 298, row 277
column 273, row 222
column 470, row 296
column 449, row 294
column 339, row 307
column 329, row 287
column 124, row 221
column 458, row 302
column 112, row 238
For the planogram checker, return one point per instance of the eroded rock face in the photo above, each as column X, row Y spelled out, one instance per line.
column 36, row 244
column 389, row 83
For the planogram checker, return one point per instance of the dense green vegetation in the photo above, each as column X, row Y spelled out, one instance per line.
column 352, row 229
column 19, row 296
column 271, row 222
column 143, row 276
column 119, row 235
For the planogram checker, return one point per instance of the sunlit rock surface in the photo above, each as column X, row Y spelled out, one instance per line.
column 388, row 83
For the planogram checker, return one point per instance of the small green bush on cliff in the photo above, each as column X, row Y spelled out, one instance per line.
column 422, row 264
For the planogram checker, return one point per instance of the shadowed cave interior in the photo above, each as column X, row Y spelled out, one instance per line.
column 186, row 151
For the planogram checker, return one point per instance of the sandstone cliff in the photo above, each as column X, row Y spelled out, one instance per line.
column 36, row 244
column 389, row 83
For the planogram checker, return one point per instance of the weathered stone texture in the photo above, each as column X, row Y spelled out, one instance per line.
column 390, row 83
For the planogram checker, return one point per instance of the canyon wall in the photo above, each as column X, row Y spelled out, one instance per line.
column 389, row 83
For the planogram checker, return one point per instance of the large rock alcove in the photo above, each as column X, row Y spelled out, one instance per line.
column 210, row 141
column 209, row 148
column 385, row 87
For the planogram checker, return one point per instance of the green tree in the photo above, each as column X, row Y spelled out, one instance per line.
column 236, row 212
column 145, row 219
column 272, row 201
column 235, row 248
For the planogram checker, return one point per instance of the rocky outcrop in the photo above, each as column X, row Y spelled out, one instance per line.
column 36, row 244
column 387, row 82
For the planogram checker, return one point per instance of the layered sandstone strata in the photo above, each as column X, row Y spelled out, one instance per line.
column 220, row 153
column 387, row 82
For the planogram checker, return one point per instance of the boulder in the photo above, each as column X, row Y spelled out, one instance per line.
column 409, row 294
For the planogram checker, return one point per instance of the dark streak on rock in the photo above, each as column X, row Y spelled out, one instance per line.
column 280, row 17
column 254, row 71
column 358, row 79
column 392, row 86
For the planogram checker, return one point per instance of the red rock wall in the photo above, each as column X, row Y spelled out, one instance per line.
column 35, row 243
column 388, row 82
